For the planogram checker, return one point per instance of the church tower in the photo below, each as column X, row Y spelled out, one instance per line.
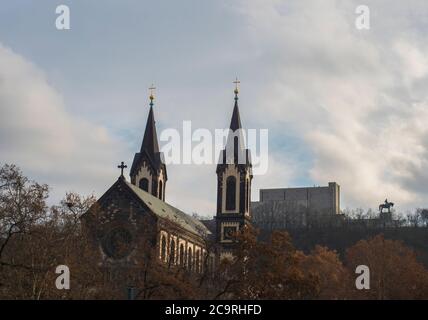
column 148, row 170
column 234, row 175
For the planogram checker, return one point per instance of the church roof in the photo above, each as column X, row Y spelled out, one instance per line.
column 235, row 122
column 168, row 212
column 210, row 224
column 149, row 147
column 235, row 143
column 150, row 140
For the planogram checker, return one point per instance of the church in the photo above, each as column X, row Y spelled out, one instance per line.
column 132, row 209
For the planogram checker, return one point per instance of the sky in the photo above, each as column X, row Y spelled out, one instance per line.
column 341, row 104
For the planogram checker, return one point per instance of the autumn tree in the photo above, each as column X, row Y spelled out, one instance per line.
column 266, row 270
column 334, row 279
column 395, row 272
column 35, row 239
column 22, row 205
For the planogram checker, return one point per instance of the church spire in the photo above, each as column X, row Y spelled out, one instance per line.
column 148, row 169
column 235, row 139
column 234, row 175
column 150, row 140
column 235, row 123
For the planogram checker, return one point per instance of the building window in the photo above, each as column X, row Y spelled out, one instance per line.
column 160, row 189
column 231, row 193
column 163, row 248
column 189, row 259
column 118, row 243
column 197, row 260
column 182, row 254
column 144, row 184
column 172, row 252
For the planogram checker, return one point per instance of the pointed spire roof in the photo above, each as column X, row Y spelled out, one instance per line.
column 235, row 143
column 235, row 122
column 150, row 147
column 150, row 143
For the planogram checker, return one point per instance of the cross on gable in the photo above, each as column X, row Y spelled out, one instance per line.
column 121, row 167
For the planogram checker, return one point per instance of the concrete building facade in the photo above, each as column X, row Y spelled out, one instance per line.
column 322, row 199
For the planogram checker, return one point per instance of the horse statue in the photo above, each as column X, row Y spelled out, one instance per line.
column 386, row 205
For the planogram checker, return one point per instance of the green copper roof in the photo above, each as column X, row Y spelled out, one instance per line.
column 166, row 211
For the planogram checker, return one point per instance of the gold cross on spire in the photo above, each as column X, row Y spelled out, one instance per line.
column 236, row 82
column 152, row 88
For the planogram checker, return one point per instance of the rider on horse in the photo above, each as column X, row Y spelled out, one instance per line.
column 386, row 205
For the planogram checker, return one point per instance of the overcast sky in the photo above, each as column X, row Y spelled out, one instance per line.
column 341, row 104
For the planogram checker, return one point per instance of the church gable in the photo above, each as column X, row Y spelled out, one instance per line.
column 119, row 203
column 118, row 220
column 126, row 214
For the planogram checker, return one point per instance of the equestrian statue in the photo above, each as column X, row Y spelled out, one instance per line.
column 386, row 205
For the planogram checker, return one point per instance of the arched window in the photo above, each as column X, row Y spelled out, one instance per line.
column 160, row 190
column 182, row 254
column 231, row 193
column 144, row 184
column 189, row 259
column 197, row 258
column 247, row 202
column 172, row 252
column 163, row 248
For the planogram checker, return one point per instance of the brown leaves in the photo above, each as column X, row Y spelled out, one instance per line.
column 268, row 270
column 326, row 267
column 395, row 272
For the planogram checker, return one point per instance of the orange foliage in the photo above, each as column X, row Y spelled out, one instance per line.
column 395, row 272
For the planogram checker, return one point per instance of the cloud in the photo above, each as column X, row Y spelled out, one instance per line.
column 358, row 98
column 281, row 173
column 353, row 103
column 49, row 144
